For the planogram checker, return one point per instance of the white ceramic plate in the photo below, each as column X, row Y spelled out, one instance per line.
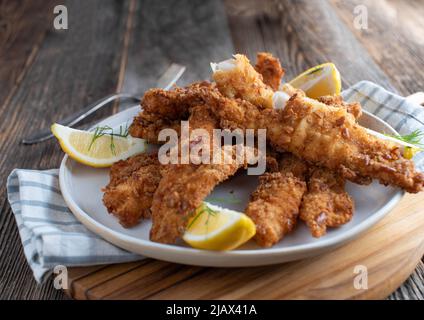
column 81, row 189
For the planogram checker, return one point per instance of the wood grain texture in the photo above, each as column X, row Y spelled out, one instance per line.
column 190, row 33
column 397, row 244
column 302, row 34
column 400, row 24
column 58, row 82
column 20, row 40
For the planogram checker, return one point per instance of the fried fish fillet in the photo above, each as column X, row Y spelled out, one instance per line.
column 323, row 135
column 165, row 109
column 129, row 194
column 274, row 206
column 237, row 79
column 184, row 186
column 326, row 204
column 270, row 69
column 181, row 190
column 134, row 181
column 353, row 108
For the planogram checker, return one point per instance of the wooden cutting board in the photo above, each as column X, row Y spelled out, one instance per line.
column 390, row 251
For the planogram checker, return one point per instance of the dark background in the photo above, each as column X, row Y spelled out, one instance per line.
column 114, row 45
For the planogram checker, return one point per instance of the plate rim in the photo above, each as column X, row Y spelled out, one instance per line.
column 126, row 241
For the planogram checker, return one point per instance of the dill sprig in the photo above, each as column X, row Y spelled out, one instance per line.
column 205, row 209
column 414, row 138
column 107, row 130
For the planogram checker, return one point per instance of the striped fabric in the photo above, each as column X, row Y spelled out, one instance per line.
column 52, row 236
column 49, row 232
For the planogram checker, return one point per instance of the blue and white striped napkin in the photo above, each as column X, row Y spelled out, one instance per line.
column 50, row 233
column 52, row 236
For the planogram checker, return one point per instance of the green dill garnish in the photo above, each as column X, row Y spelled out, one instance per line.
column 414, row 138
column 205, row 209
column 107, row 130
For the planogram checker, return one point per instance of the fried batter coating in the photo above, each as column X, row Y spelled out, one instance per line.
column 244, row 82
column 165, row 109
column 133, row 182
column 149, row 130
column 324, row 135
column 129, row 194
column 274, row 206
column 270, row 69
column 326, row 204
column 353, row 108
column 181, row 190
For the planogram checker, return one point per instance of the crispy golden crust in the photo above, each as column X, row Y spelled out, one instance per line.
column 149, row 130
column 274, row 206
column 133, row 182
column 289, row 163
column 353, row 108
column 324, row 135
column 270, row 69
column 326, row 204
column 165, row 109
column 244, row 82
column 181, row 190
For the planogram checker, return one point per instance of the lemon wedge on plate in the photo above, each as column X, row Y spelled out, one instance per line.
column 216, row 228
column 319, row 81
column 97, row 148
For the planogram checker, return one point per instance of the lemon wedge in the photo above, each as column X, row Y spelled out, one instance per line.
column 410, row 152
column 216, row 228
column 319, row 81
column 96, row 150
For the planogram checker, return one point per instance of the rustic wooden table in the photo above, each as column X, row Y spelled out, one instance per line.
column 125, row 45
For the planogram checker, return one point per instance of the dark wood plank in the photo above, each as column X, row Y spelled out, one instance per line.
column 302, row 34
column 394, row 38
column 191, row 33
column 71, row 69
column 20, row 40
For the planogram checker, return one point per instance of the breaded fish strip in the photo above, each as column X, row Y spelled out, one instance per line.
column 353, row 108
column 181, row 190
column 238, row 79
column 274, row 206
column 326, row 204
column 324, row 135
column 133, row 182
column 165, row 109
column 326, row 188
column 270, row 69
